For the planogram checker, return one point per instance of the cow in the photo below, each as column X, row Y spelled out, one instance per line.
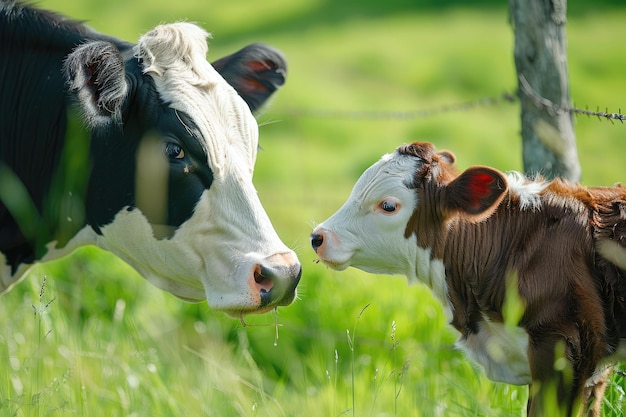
column 469, row 236
column 145, row 150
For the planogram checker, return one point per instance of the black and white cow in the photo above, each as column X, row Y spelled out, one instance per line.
column 154, row 163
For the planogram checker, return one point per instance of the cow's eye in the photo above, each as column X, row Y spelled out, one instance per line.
column 388, row 206
column 174, row 151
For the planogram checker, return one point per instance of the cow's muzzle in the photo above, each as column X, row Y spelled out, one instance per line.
column 275, row 280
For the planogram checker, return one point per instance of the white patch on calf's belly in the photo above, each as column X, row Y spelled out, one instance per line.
column 613, row 252
column 500, row 351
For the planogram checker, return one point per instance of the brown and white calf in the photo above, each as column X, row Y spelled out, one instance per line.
column 467, row 234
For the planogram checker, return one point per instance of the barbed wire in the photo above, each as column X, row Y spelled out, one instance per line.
column 405, row 114
column 505, row 97
column 554, row 108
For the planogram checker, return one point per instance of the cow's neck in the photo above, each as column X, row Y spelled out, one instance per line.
column 472, row 255
column 58, row 219
column 64, row 207
column 57, row 190
column 36, row 141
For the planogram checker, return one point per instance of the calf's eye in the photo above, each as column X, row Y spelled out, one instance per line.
column 388, row 206
column 174, row 151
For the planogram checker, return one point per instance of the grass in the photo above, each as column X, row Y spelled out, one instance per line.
column 111, row 344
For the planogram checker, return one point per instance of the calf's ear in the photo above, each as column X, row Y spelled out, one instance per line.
column 476, row 192
column 95, row 73
column 255, row 72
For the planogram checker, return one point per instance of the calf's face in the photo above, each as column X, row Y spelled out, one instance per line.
column 397, row 216
column 368, row 231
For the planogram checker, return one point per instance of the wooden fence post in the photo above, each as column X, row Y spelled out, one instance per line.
column 548, row 139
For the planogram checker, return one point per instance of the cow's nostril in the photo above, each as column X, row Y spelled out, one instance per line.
column 263, row 283
column 316, row 241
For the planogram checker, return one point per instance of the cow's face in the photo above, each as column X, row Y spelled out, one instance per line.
column 395, row 220
column 173, row 150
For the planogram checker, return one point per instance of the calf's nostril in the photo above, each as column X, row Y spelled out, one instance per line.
column 316, row 241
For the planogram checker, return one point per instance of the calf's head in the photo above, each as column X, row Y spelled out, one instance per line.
column 173, row 147
column 395, row 220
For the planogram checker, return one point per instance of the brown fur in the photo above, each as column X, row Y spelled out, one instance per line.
column 574, row 297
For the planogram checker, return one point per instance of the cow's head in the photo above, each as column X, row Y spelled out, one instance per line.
column 173, row 148
column 394, row 221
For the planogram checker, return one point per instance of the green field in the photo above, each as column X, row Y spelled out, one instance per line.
column 101, row 341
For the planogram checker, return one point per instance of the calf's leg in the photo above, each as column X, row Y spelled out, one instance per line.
column 593, row 392
column 553, row 391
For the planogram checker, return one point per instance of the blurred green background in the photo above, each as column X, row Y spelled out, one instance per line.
column 102, row 341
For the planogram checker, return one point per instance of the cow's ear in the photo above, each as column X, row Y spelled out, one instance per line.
column 255, row 71
column 476, row 192
column 95, row 73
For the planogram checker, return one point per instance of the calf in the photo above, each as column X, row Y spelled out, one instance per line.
column 154, row 163
column 470, row 235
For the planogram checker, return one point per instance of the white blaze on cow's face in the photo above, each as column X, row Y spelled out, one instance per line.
column 368, row 231
column 227, row 251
